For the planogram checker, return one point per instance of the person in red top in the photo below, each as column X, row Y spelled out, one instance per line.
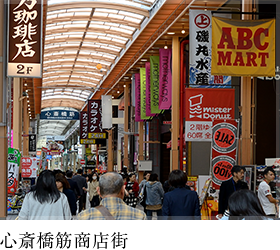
column 132, row 189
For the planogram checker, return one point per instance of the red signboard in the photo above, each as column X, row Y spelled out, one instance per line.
column 224, row 150
column 82, row 161
column 28, row 167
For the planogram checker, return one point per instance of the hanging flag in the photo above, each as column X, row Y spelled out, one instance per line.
column 148, row 90
column 200, row 52
column 165, row 78
column 154, row 84
column 143, row 93
column 137, row 98
column 243, row 47
column 14, row 158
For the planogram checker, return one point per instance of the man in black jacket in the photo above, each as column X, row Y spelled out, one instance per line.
column 228, row 187
column 81, row 182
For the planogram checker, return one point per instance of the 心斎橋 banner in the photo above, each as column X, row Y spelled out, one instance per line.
column 143, row 94
column 154, row 84
column 200, row 23
column 25, row 38
column 165, row 78
column 148, row 90
column 137, row 98
column 243, row 47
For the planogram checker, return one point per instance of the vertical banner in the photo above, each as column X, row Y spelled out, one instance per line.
column 106, row 111
column 13, row 169
column 154, row 84
column 200, row 23
column 25, row 38
column 148, row 90
column 224, row 150
column 28, row 167
column 32, row 143
column 132, row 93
column 83, row 126
column 95, row 130
column 243, row 47
column 143, row 93
column 165, row 78
column 137, row 98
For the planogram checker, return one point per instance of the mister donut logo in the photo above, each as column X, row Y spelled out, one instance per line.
column 221, row 168
column 224, row 137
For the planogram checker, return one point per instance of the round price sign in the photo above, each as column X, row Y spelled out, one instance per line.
column 224, row 137
column 221, row 168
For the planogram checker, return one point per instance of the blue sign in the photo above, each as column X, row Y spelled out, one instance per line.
column 59, row 115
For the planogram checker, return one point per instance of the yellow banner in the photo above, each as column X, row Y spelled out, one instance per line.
column 243, row 47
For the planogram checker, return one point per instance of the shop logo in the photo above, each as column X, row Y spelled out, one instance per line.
column 195, row 106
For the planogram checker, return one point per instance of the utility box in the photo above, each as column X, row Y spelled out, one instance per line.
column 145, row 166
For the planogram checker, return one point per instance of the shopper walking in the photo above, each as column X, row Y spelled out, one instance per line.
column 73, row 184
column 111, row 189
column 264, row 193
column 92, row 190
column 64, row 187
column 81, row 182
column 132, row 188
column 181, row 203
column 244, row 205
column 154, row 198
column 142, row 190
column 45, row 202
column 228, row 187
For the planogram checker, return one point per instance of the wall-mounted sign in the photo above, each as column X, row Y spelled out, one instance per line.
column 59, row 115
column 32, row 143
column 25, row 38
column 95, row 130
column 83, row 125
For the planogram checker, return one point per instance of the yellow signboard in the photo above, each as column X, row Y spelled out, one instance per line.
column 243, row 47
column 87, row 141
column 97, row 135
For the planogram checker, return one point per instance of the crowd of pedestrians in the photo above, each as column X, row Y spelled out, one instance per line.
column 66, row 195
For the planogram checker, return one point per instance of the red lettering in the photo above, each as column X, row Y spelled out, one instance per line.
column 244, row 35
column 224, row 59
column 263, row 56
column 226, row 38
column 239, row 59
column 257, row 38
column 251, row 59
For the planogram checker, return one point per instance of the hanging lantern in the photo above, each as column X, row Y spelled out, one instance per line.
column 99, row 66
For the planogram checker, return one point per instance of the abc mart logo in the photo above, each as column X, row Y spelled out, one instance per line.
column 224, row 138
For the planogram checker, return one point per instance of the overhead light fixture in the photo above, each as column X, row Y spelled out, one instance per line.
column 124, row 85
column 165, row 46
column 170, row 33
column 183, row 30
column 205, row 9
column 144, row 60
column 118, row 91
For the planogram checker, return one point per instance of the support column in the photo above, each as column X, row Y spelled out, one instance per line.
column 25, row 151
column 175, row 103
column 141, row 151
column 245, row 138
column 17, row 118
column 125, row 159
column 3, row 175
column 110, row 151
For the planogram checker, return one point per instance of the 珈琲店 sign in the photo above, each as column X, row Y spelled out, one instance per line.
column 25, row 38
column 243, row 47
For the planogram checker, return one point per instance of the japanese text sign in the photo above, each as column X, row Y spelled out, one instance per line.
column 28, row 167
column 25, row 38
column 83, row 125
column 13, row 169
column 200, row 23
column 243, row 47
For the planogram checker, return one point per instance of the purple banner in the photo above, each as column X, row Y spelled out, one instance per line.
column 165, row 78
column 148, row 90
column 94, row 116
column 137, row 98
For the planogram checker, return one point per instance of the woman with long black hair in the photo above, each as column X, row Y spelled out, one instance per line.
column 45, row 202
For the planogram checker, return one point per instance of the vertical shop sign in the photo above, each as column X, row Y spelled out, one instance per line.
column 200, row 23
column 28, row 167
column 95, row 130
column 25, row 38
column 83, row 126
column 165, row 78
column 32, row 143
column 224, row 150
column 13, row 169
column 137, row 98
column 143, row 94
column 154, row 84
column 148, row 90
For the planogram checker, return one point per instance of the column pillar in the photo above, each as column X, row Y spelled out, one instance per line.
column 126, row 96
column 110, row 151
column 175, row 103
column 141, row 151
column 17, row 118
column 26, row 121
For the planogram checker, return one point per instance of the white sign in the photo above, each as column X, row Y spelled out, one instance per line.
column 198, row 131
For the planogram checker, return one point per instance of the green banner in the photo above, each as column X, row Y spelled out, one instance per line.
column 143, row 93
column 13, row 169
column 154, row 60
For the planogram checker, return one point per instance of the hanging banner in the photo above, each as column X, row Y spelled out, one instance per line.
column 200, row 23
column 25, row 38
column 32, row 143
column 13, row 169
column 148, row 90
column 137, row 98
column 83, row 126
column 154, row 84
column 224, row 150
column 143, row 93
column 165, row 78
column 203, row 105
column 95, row 130
column 243, row 47
column 28, row 167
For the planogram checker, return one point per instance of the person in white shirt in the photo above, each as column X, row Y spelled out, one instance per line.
column 264, row 193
